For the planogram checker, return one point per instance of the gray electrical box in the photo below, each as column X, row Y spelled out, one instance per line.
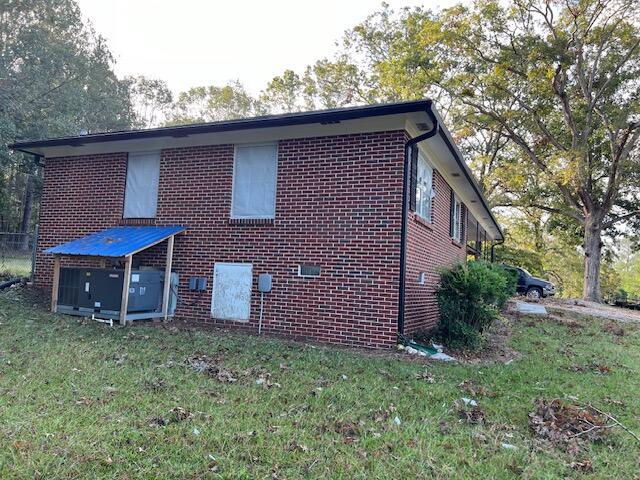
column 264, row 282
column 197, row 284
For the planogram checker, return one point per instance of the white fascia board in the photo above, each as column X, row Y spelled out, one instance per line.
column 258, row 135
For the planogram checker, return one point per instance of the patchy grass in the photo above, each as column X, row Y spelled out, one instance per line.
column 85, row 400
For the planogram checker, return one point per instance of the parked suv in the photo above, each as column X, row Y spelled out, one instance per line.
column 531, row 286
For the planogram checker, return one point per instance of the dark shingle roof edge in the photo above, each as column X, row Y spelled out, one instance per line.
column 281, row 120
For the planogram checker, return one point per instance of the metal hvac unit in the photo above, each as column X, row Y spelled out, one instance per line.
column 98, row 291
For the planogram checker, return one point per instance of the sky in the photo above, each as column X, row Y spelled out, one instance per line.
column 191, row 43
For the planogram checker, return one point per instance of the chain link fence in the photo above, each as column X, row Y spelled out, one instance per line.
column 17, row 254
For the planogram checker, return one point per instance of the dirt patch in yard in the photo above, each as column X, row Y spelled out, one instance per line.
column 495, row 349
column 594, row 309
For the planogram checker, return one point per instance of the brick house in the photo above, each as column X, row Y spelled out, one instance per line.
column 351, row 211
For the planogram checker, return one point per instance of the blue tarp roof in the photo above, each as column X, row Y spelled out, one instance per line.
column 116, row 241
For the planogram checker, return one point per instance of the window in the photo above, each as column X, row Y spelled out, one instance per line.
column 456, row 218
column 424, row 189
column 141, row 192
column 254, row 181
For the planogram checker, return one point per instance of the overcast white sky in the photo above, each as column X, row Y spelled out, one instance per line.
column 198, row 42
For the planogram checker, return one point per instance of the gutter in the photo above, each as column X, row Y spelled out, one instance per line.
column 405, row 212
column 494, row 245
column 436, row 129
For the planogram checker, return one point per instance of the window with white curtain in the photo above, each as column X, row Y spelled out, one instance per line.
column 457, row 219
column 424, row 189
column 254, row 181
column 141, row 192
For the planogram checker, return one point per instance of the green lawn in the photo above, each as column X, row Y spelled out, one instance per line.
column 87, row 401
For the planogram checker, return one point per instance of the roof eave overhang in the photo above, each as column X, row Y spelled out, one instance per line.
column 319, row 118
column 448, row 160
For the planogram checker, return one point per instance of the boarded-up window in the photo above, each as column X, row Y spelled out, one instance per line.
column 254, row 181
column 232, row 291
column 141, row 194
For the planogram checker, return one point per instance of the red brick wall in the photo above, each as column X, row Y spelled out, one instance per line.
column 81, row 195
column 429, row 247
column 338, row 205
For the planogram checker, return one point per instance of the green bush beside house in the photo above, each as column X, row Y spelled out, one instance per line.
column 470, row 296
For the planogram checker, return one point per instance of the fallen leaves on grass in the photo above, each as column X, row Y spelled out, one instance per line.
column 20, row 444
column 211, row 367
column 179, row 414
column 427, row 376
column 563, row 424
column 297, row 447
column 614, row 329
column 349, row 430
column 265, row 382
column 444, row 428
column 381, row 415
column 176, row 415
column 567, row 322
column 599, row 368
column 469, row 413
column 584, row 466
column 156, row 385
column 473, row 389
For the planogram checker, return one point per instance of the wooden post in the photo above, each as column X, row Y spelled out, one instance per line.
column 125, row 290
column 56, row 283
column 167, row 278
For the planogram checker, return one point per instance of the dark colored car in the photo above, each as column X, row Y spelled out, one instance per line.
column 532, row 287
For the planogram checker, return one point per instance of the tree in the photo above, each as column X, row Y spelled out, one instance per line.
column 283, row 93
column 558, row 80
column 56, row 78
column 212, row 103
column 151, row 99
column 570, row 71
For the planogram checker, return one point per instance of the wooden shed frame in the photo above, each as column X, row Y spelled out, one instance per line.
column 128, row 262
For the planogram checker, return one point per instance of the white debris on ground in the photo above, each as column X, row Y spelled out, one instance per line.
column 530, row 308
column 442, row 356
column 436, row 356
column 469, row 401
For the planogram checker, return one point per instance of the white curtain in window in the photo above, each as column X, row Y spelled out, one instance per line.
column 457, row 219
column 424, row 188
column 141, row 194
column 254, row 181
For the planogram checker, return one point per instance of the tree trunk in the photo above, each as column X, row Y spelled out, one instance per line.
column 592, row 257
column 26, row 214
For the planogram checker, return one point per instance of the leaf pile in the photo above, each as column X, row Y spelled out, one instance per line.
column 563, row 424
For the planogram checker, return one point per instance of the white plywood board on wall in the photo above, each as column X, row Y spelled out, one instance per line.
column 232, row 283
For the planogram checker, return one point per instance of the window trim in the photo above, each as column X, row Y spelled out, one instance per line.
column 432, row 191
column 233, row 181
column 126, row 181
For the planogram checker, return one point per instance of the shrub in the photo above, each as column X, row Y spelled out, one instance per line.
column 470, row 296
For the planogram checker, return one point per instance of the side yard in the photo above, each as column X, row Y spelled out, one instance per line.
column 83, row 400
